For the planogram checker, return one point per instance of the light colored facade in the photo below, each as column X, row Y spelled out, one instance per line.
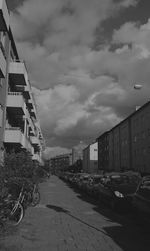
column 77, row 152
column 19, row 126
column 90, row 158
column 4, row 60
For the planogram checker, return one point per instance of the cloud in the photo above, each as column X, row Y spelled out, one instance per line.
column 79, row 92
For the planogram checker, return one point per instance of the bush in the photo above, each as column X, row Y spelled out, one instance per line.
column 17, row 165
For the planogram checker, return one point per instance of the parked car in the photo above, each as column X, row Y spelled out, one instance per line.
column 141, row 198
column 75, row 179
column 93, row 184
column 83, row 179
column 114, row 189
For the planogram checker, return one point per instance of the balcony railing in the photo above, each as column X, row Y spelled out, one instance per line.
column 30, row 122
column 34, row 140
column 15, row 102
column 36, row 157
column 18, row 73
column 4, row 16
column 14, row 135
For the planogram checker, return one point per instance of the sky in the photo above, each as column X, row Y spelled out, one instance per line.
column 83, row 58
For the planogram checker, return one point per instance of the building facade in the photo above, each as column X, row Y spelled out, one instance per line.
column 90, row 158
column 103, row 151
column 77, row 152
column 19, row 124
column 60, row 162
column 129, row 143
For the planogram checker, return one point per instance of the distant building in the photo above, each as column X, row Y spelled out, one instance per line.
column 60, row 162
column 77, row 153
column 90, row 158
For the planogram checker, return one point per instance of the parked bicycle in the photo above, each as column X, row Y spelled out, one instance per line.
column 19, row 194
column 32, row 194
column 11, row 209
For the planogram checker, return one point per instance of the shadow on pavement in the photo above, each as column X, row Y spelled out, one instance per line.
column 57, row 209
column 129, row 238
column 129, row 231
column 62, row 210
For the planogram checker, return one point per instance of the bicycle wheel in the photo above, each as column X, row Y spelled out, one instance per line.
column 16, row 215
column 35, row 199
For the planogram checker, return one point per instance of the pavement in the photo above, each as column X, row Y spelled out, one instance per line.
column 66, row 220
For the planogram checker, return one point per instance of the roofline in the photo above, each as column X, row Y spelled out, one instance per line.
column 122, row 121
column 131, row 115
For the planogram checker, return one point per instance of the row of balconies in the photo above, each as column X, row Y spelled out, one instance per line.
column 19, row 103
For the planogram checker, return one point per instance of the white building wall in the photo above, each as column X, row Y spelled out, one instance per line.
column 90, row 158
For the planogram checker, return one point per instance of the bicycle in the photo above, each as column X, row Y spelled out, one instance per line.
column 11, row 210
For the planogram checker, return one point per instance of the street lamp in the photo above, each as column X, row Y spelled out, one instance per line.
column 137, row 87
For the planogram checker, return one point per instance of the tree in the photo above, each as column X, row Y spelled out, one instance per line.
column 17, row 165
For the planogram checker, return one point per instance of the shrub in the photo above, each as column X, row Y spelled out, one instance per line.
column 17, row 165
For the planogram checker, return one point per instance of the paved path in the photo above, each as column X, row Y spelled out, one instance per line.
column 66, row 221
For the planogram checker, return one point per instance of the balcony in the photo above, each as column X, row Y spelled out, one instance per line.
column 36, row 157
column 18, row 73
column 33, row 113
column 16, row 103
column 27, row 92
column 30, row 123
column 34, row 140
column 2, row 64
column 14, row 136
column 27, row 146
column 30, row 104
column 4, row 16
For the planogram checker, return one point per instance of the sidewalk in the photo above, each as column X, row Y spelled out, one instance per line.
column 66, row 221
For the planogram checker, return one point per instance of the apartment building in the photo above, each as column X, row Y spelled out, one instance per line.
column 90, row 158
column 127, row 145
column 120, row 146
column 61, row 162
column 19, row 124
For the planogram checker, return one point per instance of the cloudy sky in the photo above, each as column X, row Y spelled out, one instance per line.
column 83, row 58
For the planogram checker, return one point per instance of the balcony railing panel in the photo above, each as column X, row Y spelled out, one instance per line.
column 36, row 157
column 16, row 101
column 18, row 73
column 4, row 16
column 34, row 140
column 13, row 135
